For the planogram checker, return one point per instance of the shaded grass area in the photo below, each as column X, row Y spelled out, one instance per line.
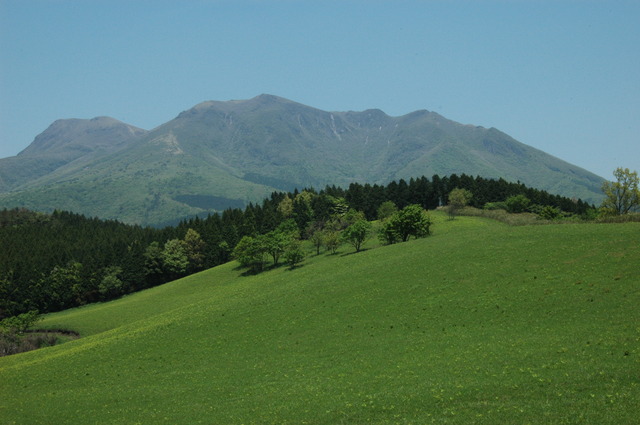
column 480, row 323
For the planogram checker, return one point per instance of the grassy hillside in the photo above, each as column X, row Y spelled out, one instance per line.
column 480, row 323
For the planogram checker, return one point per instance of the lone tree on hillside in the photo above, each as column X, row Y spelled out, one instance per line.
column 458, row 199
column 357, row 233
column 412, row 220
column 622, row 195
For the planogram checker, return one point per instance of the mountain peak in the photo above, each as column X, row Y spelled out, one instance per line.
column 82, row 135
column 264, row 100
column 269, row 98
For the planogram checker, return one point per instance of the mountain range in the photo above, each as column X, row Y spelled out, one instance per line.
column 225, row 154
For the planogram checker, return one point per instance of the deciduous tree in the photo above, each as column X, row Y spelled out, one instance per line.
column 331, row 240
column 622, row 195
column 275, row 244
column 174, row 257
column 294, row 253
column 386, row 210
column 63, row 285
column 357, row 233
column 285, row 207
column 412, row 220
column 458, row 199
column 153, row 262
column 194, row 249
column 317, row 239
column 111, row 285
column 250, row 253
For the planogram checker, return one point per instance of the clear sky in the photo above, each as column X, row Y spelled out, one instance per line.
column 562, row 76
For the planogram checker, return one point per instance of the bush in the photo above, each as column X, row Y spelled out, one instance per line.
column 12, row 331
column 387, row 235
column 517, row 204
column 492, row 206
column 18, row 325
column 294, row 253
column 549, row 213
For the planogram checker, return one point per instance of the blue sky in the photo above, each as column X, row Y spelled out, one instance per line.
column 561, row 76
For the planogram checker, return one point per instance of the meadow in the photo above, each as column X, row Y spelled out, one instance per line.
column 480, row 323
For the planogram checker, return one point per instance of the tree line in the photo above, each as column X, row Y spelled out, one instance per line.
column 55, row 261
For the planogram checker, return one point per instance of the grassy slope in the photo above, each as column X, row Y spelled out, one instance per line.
column 141, row 191
column 481, row 323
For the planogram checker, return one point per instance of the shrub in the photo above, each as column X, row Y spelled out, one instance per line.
column 517, row 204
column 492, row 206
column 549, row 213
column 387, row 234
column 294, row 253
column 19, row 324
column 12, row 331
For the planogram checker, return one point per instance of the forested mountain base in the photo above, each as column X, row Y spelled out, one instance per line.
column 51, row 262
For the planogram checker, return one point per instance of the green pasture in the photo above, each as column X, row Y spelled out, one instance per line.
column 481, row 323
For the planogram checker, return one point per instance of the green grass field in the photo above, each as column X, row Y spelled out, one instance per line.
column 480, row 323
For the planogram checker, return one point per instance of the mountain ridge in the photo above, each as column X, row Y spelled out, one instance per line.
column 64, row 142
column 239, row 151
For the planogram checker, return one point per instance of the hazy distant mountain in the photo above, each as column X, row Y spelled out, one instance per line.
column 220, row 154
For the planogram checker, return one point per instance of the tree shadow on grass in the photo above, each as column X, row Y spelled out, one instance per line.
column 255, row 271
column 354, row 252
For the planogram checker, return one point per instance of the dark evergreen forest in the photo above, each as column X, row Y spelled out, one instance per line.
column 51, row 262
